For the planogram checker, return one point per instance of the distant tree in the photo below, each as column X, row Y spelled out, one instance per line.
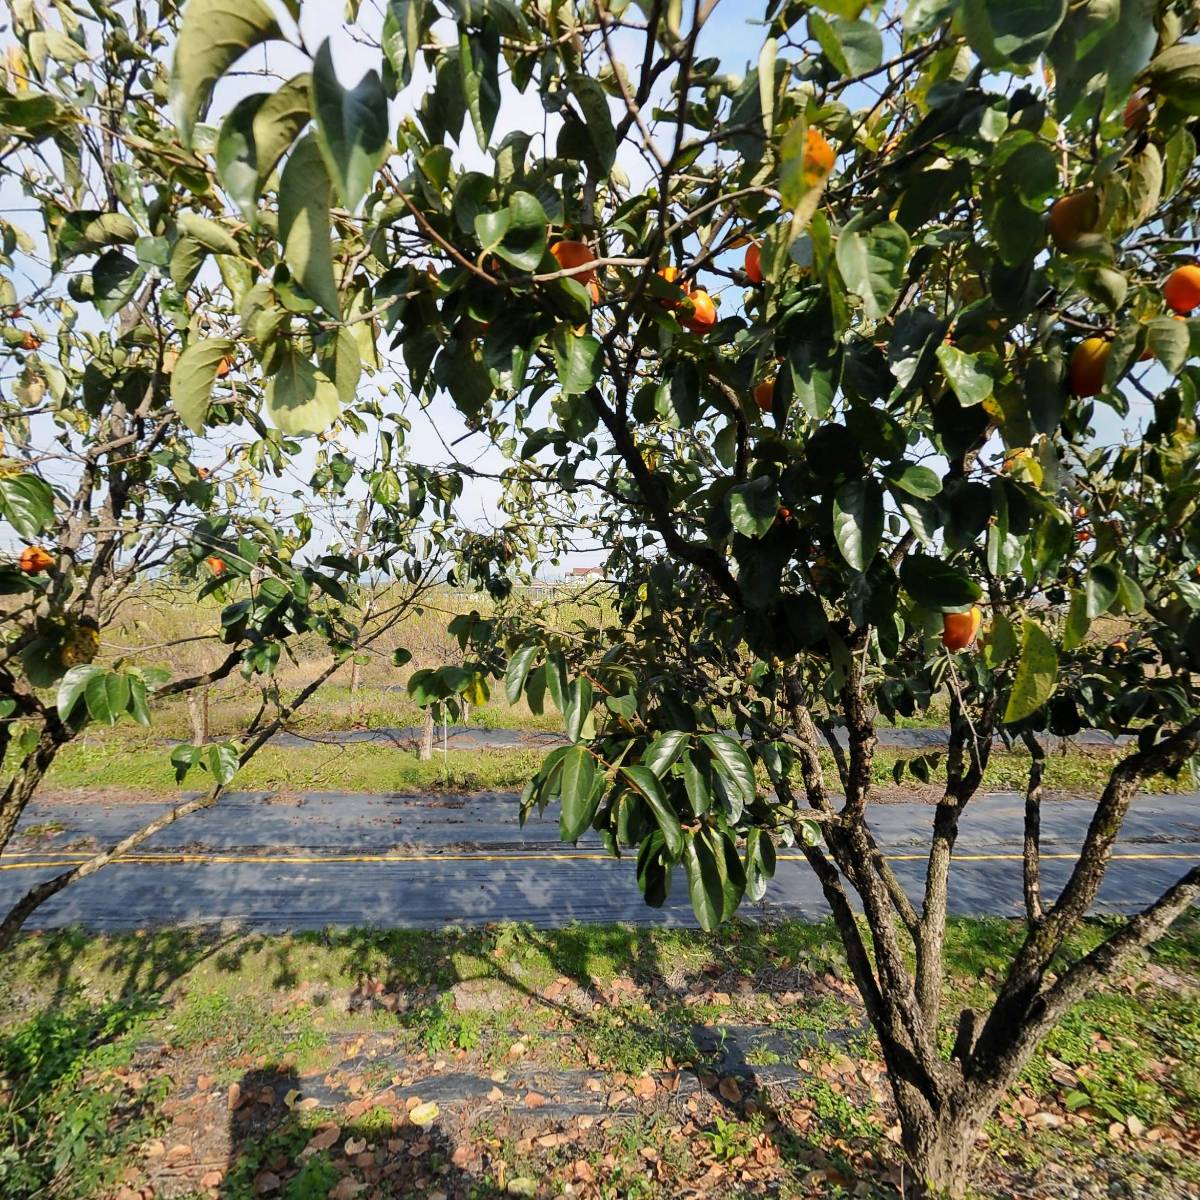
column 823, row 351
column 141, row 455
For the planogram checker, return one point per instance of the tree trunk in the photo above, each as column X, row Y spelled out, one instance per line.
column 355, row 675
column 427, row 737
column 941, row 1146
column 197, row 702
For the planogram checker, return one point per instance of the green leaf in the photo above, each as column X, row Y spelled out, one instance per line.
column 872, row 265
column 1175, row 73
column 213, row 36
column 115, row 281
column 696, row 786
column 402, row 30
column 518, row 671
column 754, row 506
column 210, row 234
column 732, row 761
column 352, row 127
column 643, row 781
column 478, row 55
column 1012, row 31
column 1001, row 642
column 255, row 136
column 27, row 504
column 342, row 362
column 71, row 687
column 222, row 762
column 579, row 795
column 915, row 480
column 1101, row 587
column 304, row 198
column 1037, row 673
column 936, row 585
column 193, row 378
column 858, row 521
column 516, row 233
column 663, row 752
column 759, row 863
column 107, row 696
column 1077, row 624
column 853, row 47
column 705, row 881
column 1169, row 341
column 972, row 382
column 593, row 103
column 578, row 359
column 88, row 231
column 300, row 398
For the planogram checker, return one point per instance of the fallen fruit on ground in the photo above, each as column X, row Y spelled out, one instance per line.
column 1182, row 289
column 1088, row 365
column 704, row 312
column 959, row 629
column 1073, row 215
column 35, row 559
column 754, row 263
column 574, row 254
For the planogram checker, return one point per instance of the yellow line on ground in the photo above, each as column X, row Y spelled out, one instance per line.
column 65, row 859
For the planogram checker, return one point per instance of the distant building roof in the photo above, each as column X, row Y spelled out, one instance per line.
column 583, row 572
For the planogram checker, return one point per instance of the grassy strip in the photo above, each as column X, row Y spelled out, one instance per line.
column 76, row 1101
column 137, row 765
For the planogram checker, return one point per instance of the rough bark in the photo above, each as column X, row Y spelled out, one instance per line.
column 427, row 731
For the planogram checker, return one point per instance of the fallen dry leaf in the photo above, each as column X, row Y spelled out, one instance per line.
column 425, row 1114
column 355, row 1146
column 324, row 1138
column 534, row 1100
column 730, row 1089
column 346, row 1188
column 644, row 1087
column 266, row 1182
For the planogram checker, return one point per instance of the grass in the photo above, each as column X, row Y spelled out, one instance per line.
column 80, row 1099
column 136, row 764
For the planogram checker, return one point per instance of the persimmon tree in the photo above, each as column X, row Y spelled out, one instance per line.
column 812, row 349
column 144, row 458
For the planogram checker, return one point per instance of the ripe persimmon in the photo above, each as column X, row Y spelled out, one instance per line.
column 574, row 254
column 1182, row 289
column 35, row 559
column 764, row 394
column 959, row 629
column 704, row 312
column 754, row 263
column 1073, row 215
column 818, row 157
column 215, row 564
column 1088, row 365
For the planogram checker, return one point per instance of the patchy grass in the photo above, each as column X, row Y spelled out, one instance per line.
column 621, row 1062
column 135, row 764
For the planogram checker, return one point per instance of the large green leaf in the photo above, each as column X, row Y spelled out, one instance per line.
column 402, row 30
column 754, row 506
column 579, row 796
column 578, row 359
column 643, row 781
column 115, row 281
column 971, row 380
column 193, row 378
column 705, row 881
column 27, row 504
column 72, row 685
column 352, row 127
column 300, row 398
column 872, row 264
column 304, row 198
column 107, row 696
column 1037, row 673
column 662, row 753
column 1103, row 583
column 516, row 233
column 1012, row 31
column 478, row 59
column 212, row 235
column 593, row 103
column 858, row 521
column 213, row 36
column 936, row 585
column 518, row 671
column 914, row 479
column 853, row 47
column 255, row 136
column 731, row 760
